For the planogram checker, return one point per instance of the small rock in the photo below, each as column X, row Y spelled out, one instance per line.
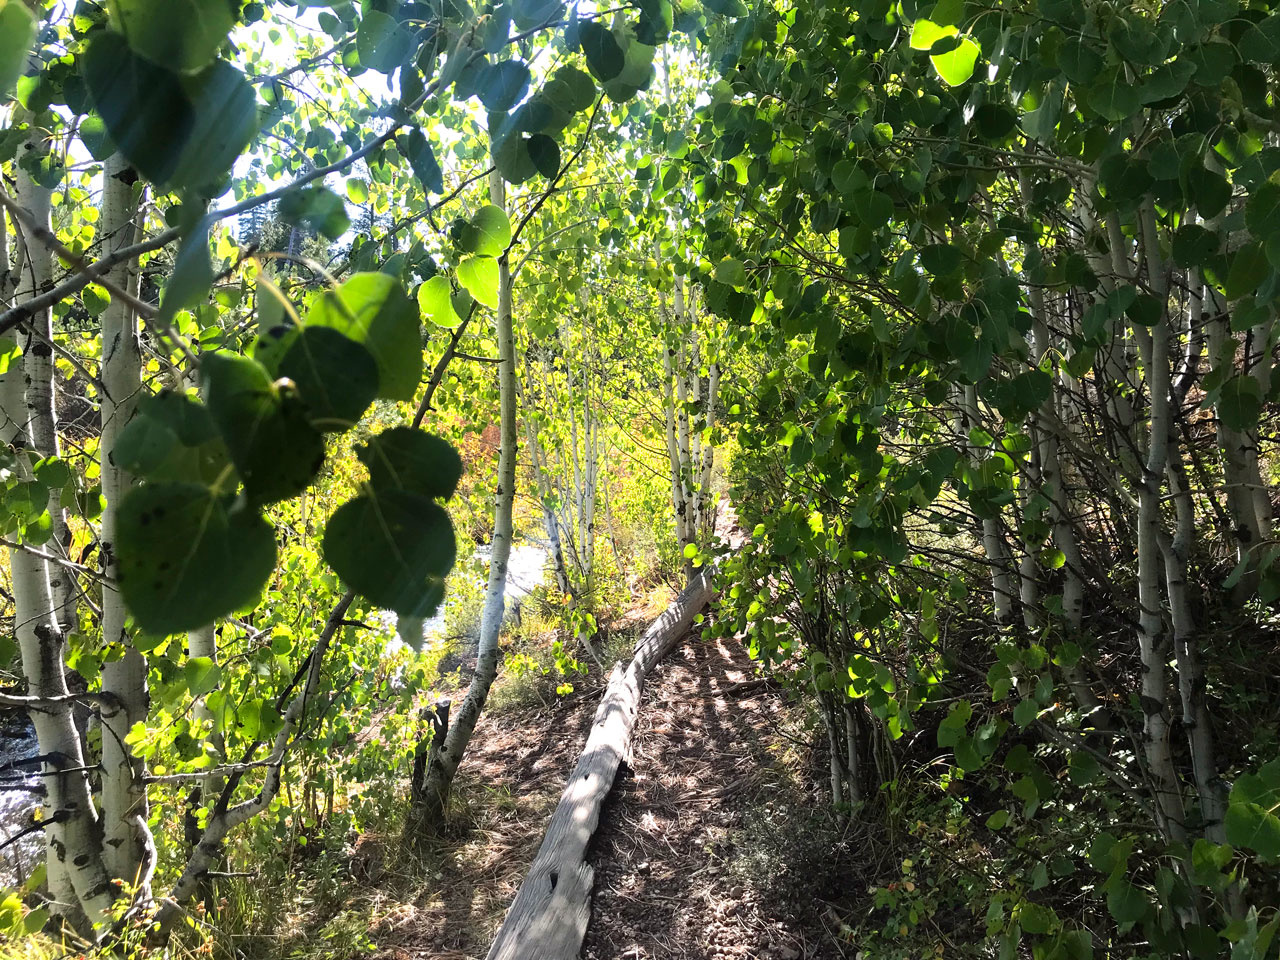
column 737, row 892
column 643, row 868
column 788, row 952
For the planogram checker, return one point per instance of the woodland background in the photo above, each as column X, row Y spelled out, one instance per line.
column 962, row 317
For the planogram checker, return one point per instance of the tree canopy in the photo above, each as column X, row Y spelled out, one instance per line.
column 968, row 310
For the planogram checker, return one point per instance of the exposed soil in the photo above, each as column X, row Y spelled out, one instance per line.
column 506, row 789
column 678, row 853
column 715, row 842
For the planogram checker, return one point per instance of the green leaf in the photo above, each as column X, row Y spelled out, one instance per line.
column 192, row 274
column 1025, row 712
column 94, row 136
column 514, row 161
column 10, row 914
column 731, row 271
column 403, row 458
column 727, row 8
column 941, row 259
column 488, row 234
column 530, row 14
column 1255, row 827
column 997, row 820
column 373, row 309
column 1240, row 403
column 1037, row 918
column 1082, row 768
column 178, row 130
column 968, row 758
column 605, row 58
column 1127, row 902
column 10, row 353
column 185, row 560
column 925, row 33
column 182, row 35
column 383, row 43
column 274, row 447
column 574, row 90
column 501, row 86
column 145, row 108
column 479, row 276
column 417, row 150
column 545, row 154
column 1114, row 96
column 1249, row 268
column 435, row 300
column 357, row 190
column 202, row 675
column 172, row 437
column 393, row 547
column 225, row 110
column 957, row 66
column 94, row 299
column 35, row 921
column 336, row 377
column 1193, row 245
column 17, row 34
column 1145, row 310
column 316, row 207
column 1262, row 212
column 1079, row 61
column 52, row 472
column 1210, row 190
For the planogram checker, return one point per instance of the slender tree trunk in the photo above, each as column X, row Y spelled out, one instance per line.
column 993, row 542
column 440, row 775
column 853, row 761
column 124, row 796
column 550, row 523
column 1153, row 643
column 78, row 881
column 1050, row 481
column 687, row 509
column 42, row 418
column 678, row 504
column 709, row 452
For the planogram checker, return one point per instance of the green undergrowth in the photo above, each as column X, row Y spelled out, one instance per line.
column 1027, row 850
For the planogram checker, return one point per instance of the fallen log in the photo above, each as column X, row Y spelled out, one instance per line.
column 548, row 917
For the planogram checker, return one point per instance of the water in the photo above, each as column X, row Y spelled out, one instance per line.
column 19, row 798
column 526, row 569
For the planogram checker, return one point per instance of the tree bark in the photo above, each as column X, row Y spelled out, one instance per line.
column 124, row 796
column 549, row 915
column 1153, row 646
column 78, row 881
column 993, row 542
column 440, row 775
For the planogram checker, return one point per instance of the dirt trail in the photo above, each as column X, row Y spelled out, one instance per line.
column 696, row 853
column 676, row 872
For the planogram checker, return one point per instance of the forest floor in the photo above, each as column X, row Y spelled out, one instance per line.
column 699, row 852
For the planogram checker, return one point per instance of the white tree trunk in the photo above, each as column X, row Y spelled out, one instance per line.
column 440, row 774
column 37, row 276
column 709, row 452
column 78, row 882
column 204, row 643
column 993, row 543
column 124, row 796
column 1153, row 645
column 550, row 522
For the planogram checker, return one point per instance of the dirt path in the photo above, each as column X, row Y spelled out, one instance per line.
column 710, row 846
column 695, row 821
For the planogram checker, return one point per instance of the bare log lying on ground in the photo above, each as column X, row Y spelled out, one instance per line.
column 548, row 918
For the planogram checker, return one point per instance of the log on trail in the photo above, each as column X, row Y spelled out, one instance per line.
column 548, row 919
